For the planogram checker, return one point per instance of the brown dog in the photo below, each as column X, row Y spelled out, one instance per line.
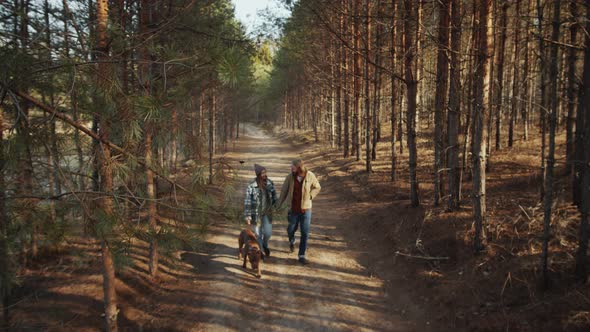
column 249, row 243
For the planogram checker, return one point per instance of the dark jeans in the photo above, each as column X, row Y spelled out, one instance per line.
column 302, row 221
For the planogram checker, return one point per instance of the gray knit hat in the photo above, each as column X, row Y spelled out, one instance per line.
column 258, row 169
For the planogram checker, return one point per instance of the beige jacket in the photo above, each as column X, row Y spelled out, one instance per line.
column 311, row 188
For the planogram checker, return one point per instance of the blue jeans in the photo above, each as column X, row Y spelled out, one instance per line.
column 302, row 221
column 263, row 231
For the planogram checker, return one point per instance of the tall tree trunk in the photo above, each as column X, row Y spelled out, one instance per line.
column 339, row 75
column 193, row 141
column 147, row 19
column 92, row 10
column 226, row 114
column 454, row 106
column 212, row 110
column 52, row 151
column 105, row 203
column 174, row 143
column 368, row 167
column 74, row 99
column 25, row 166
column 561, row 88
column 515, row 76
column 470, row 82
column 410, row 13
column 151, row 203
column 489, row 116
column 15, row 25
column 95, row 152
column 357, row 81
column 542, row 88
column 201, row 130
column 50, row 173
column 527, row 85
column 419, row 54
column 314, row 117
column 109, row 290
column 478, row 150
column 345, row 62
column 582, row 149
column 442, row 82
column 5, row 260
column 238, row 125
column 552, row 124
column 402, row 87
column 571, row 87
column 581, row 119
column 499, row 68
column 393, row 89
column 213, row 123
column 55, row 176
column 377, row 84
column 401, row 60
column 295, row 114
column 333, row 88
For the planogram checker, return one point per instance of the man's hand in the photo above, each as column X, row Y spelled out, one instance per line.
column 248, row 220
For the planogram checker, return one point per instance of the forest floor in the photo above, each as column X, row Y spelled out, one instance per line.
column 356, row 278
column 428, row 249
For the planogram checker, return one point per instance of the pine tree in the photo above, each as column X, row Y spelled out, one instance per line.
column 454, row 107
column 582, row 149
column 442, row 82
column 548, row 198
column 410, row 21
column 478, row 149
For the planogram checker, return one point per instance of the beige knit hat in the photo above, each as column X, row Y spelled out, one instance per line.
column 297, row 162
column 300, row 165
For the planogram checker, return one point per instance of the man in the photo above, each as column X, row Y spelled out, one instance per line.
column 299, row 189
column 260, row 199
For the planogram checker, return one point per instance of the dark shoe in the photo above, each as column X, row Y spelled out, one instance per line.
column 292, row 247
column 267, row 252
column 302, row 260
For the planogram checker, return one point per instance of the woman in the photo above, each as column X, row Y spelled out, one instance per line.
column 260, row 199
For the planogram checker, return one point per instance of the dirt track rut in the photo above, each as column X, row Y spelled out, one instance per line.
column 333, row 292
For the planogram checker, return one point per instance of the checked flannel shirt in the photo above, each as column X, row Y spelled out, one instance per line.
column 253, row 200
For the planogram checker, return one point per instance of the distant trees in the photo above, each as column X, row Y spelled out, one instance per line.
column 470, row 85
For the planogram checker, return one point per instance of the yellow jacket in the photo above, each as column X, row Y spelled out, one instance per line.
column 310, row 189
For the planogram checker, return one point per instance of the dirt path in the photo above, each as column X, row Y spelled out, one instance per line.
column 333, row 292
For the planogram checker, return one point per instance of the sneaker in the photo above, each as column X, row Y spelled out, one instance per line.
column 292, row 247
column 302, row 260
column 267, row 252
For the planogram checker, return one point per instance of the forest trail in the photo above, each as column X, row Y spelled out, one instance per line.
column 333, row 292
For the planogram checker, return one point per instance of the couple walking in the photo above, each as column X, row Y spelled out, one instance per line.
column 299, row 189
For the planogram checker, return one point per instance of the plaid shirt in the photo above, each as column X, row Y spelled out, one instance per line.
column 253, row 200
